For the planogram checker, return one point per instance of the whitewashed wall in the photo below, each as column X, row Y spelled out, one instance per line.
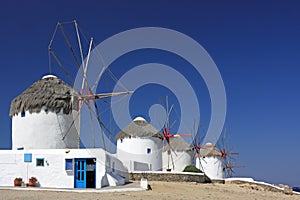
column 117, row 167
column 133, row 152
column 181, row 160
column 44, row 131
column 212, row 166
column 53, row 174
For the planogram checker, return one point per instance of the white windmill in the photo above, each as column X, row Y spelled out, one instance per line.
column 139, row 146
column 91, row 133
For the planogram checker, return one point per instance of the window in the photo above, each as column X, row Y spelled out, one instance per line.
column 23, row 114
column 40, row 162
column 113, row 167
column 27, row 157
column 69, row 164
column 148, row 150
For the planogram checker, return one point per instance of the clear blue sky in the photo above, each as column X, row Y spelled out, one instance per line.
column 256, row 46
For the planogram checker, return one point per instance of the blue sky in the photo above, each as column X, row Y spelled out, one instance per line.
column 254, row 44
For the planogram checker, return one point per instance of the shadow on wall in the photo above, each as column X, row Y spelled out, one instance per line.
column 104, row 181
column 139, row 166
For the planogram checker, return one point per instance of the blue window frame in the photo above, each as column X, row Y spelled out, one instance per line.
column 27, row 157
column 69, row 165
column 40, row 162
column 148, row 150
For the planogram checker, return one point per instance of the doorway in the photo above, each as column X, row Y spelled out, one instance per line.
column 85, row 173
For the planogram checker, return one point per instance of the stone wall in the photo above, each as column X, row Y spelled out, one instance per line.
column 168, row 176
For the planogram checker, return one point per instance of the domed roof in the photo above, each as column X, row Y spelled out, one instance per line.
column 139, row 119
column 49, row 93
column 138, row 128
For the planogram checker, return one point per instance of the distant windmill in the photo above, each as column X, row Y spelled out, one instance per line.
column 197, row 144
column 169, row 138
column 226, row 156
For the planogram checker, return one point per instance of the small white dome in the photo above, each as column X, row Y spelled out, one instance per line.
column 139, row 119
column 49, row 76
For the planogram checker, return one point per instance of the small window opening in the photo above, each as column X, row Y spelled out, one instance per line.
column 69, row 164
column 40, row 162
column 148, row 150
column 23, row 114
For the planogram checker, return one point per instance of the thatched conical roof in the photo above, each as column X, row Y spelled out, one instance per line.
column 138, row 128
column 209, row 150
column 49, row 93
column 177, row 144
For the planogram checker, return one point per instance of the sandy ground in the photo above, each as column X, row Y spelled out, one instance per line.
column 160, row 191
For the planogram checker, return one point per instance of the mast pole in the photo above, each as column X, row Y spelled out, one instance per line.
column 82, row 61
column 81, row 54
column 87, row 59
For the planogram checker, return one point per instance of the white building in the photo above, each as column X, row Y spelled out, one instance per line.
column 62, row 168
column 210, row 162
column 42, row 116
column 139, row 146
column 46, row 142
column 177, row 155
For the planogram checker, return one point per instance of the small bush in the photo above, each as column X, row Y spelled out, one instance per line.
column 192, row 168
column 206, row 179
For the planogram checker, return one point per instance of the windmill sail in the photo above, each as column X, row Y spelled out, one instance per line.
column 92, row 130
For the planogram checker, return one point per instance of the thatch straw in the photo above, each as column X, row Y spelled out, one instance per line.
column 177, row 144
column 50, row 94
column 138, row 129
column 209, row 150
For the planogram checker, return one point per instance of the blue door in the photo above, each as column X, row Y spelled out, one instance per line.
column 80, row 173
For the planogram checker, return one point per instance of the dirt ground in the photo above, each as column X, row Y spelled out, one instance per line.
column 160, row 191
